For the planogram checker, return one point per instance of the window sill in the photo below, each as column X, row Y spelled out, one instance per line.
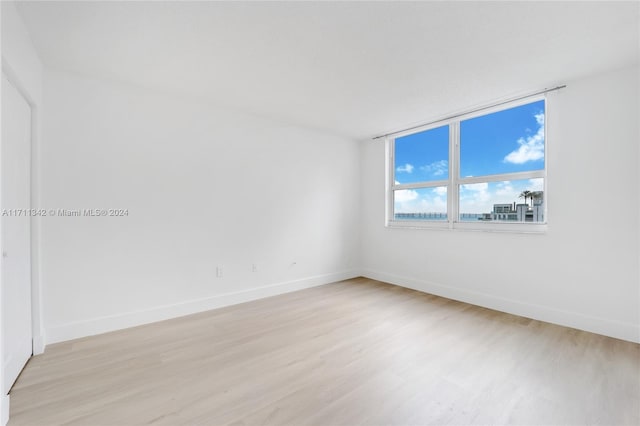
column 511, row 228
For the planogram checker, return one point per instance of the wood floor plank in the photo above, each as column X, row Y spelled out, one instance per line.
column 357, row 352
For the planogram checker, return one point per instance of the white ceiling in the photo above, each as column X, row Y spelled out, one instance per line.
column 357, row 69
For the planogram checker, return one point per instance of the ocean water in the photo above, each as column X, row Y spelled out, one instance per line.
column 464, row 217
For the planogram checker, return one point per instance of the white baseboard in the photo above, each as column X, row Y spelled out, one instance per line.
column 4, row 409
column 611, row 328
column 100, row 325
column 38, row 345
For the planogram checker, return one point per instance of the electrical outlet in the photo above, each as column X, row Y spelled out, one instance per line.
column 219, row 271
column 254, row 268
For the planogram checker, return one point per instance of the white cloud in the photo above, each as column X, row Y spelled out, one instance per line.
column 440, row 190
column 405, row 195
column 436, row 204
column 504, row 189
column 530, row 148
column 478, row 187
column 474, row 197
column 437, row 168
column 536, row 184
column 407, row 168
column 422, row 201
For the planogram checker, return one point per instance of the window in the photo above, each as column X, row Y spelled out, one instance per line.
column 420, row 188
column 478, row 171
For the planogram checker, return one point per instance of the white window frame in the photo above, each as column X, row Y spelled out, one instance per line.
column 454, row 180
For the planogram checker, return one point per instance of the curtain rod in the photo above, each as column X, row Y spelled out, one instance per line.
column 540, row 92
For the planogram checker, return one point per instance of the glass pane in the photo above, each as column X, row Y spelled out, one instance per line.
column 503, row 142
column 422, row 157
column 507, row 201
column 420, row 204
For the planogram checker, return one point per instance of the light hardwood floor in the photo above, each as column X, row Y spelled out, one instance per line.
column 353, row 352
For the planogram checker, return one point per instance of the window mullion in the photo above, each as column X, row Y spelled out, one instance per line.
column 502, row 177
column 390, row 155
column 417, row 185
column 454, row 156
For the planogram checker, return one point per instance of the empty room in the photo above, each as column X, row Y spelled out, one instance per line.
column 320, row 213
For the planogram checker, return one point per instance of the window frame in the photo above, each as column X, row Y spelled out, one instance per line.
column 454, row 180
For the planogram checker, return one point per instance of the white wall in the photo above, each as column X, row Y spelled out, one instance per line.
column 18, row 52
column 205, row 187
column 23, row 68
column 584, row 271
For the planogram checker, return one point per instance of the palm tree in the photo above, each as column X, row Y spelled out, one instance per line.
column 536, row 195
column 526, row 194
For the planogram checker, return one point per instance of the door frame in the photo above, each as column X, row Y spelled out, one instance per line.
column 37, row 329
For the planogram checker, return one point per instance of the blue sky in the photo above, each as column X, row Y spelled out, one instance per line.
column 502, row 142
column 423, row 156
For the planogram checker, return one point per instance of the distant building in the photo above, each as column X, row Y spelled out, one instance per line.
column 522, row 211
column 516, row 212
column 504, row 212
column 538, row 210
